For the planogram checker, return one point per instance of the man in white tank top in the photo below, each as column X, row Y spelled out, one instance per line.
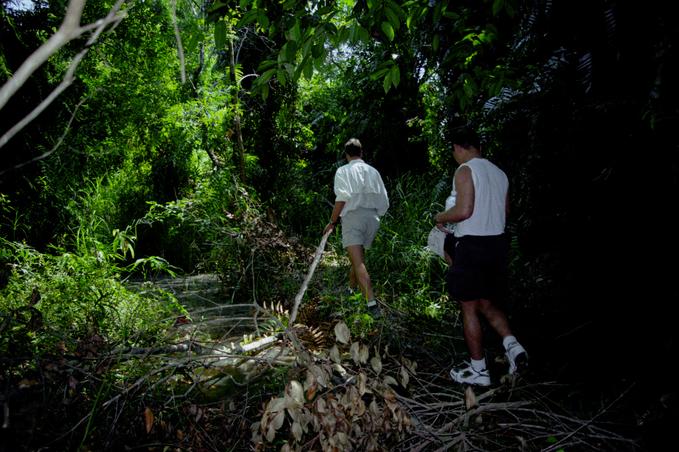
column 478, row 274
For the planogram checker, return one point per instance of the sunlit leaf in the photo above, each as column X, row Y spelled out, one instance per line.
column 392, row 18
column 296, row 391
column 388, row 30
column 295, row 33
column 262, row 19
column 386, row 83
column 395, row 75
column 308, row 70
column 266, row 76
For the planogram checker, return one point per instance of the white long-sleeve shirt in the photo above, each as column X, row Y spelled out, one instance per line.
column 360, row 185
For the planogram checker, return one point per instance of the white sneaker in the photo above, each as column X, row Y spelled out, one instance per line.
column 374, row 310
column 517, row 357
column 465, row 373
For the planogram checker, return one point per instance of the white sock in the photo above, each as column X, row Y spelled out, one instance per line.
column 508, row 340
column 479, row 364
column 372, row 302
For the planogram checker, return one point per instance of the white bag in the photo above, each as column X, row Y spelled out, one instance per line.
column 435, row 241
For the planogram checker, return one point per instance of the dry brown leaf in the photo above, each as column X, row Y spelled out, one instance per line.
column 276, row 404
column 335, row 355
column 342, row 333
column 470, row 398
column 26, row 383
column 148, row 419
column 359, row 409
column 389, row 396
column 405, row 378
column 363, row 354
column 354, row 350
column 270, row 433
column 297, row 431
column 320, row 374
column 311, row 392
column 376, row 364
column 277, row 421
column 294, row 413
column 389, row 380
column 321, row 406
column 362, row 382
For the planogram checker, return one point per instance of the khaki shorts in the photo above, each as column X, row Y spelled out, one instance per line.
column 359, row 227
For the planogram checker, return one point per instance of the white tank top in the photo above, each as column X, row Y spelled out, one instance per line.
column 490, row 198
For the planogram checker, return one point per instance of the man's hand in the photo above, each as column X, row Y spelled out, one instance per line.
column 329, row 227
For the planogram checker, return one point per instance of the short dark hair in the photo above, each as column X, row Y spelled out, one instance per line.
column 353, row 147
column 466, row 137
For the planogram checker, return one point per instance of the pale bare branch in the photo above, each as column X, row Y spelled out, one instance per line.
column 68, row 31
column 180, row 48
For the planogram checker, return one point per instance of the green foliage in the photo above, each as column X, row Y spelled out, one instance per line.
column 54, row 303
column 403, row 270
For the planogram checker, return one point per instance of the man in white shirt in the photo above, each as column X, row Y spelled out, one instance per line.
column 477, row 277
column 360, row 200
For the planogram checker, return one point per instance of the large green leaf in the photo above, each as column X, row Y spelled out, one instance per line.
column 388, row 30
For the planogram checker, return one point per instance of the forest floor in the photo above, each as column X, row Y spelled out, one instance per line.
column 229, row 391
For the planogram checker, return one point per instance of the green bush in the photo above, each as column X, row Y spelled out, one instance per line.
column 55, row 302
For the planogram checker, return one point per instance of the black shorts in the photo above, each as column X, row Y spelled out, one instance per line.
column 449, row 245
column 479, row 268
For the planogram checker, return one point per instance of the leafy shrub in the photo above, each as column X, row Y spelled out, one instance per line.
column 401, row 269
column 57, row 302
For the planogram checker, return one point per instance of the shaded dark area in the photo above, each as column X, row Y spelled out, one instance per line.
column 593, row 164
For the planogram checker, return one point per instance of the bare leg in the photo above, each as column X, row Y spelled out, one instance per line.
column 473, row 335
column 353, row 282
column 360, row 271
column 496, row 317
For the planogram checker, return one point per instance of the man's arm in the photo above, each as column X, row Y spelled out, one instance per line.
column 464, row 204
column 335, row 216
column 507, row 205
